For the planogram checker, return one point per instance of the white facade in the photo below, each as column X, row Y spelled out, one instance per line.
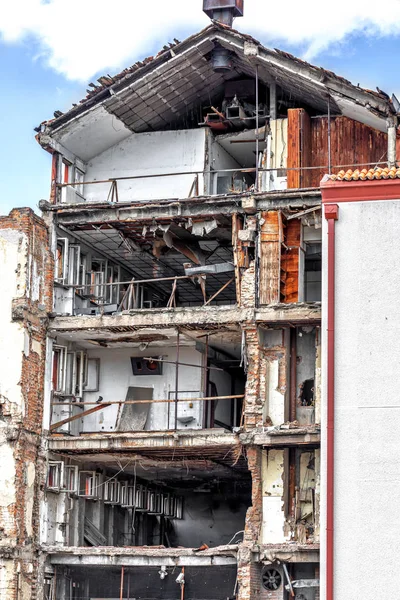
column 367, row 410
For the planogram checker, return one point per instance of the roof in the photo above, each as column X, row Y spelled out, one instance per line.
column 366, row 174
column 151, row 94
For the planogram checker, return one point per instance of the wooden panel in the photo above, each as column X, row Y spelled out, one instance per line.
column 270, row 250
column 290, row 262
column 293, row 156
column 299, row 148
column 352, row 143
column 239, row 255
column 305, row 149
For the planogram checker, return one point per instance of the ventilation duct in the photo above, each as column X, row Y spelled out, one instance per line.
column 223, row 11
column 221, row 59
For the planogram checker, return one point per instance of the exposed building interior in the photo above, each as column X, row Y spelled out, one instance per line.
column 170, row 326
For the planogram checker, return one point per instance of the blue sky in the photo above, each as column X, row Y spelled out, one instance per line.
column 44, row 68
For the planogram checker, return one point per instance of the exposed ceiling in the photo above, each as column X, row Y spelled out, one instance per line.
column 130, row 244
column 185, row 468
column 225, row 339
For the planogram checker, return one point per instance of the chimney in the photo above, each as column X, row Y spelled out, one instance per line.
column 223, row 11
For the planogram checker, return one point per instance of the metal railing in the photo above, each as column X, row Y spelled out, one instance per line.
column 113, row 193
column 131, row 299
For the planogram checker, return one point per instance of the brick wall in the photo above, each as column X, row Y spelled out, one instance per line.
column 255, row 381
column 254, row 512
column 25, row 237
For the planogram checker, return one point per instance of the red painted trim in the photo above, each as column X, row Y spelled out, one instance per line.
column 331, row 214
column 66, row 173
column 360, row 191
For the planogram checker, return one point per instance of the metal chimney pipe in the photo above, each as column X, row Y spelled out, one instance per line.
column 223, row 11
column 224, row 16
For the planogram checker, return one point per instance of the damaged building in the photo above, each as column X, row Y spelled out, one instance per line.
column 162, row 432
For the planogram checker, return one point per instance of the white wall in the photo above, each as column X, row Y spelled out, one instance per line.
column 367, row 406
column 220, row 159
column 116, row 376
column 273, row 522
column 148, row 154
column 13, row 339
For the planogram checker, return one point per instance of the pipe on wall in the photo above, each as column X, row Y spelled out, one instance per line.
column 392, row 134
column 331, row 215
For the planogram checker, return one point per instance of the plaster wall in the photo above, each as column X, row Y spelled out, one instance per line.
column 116, row 376
column 7, row 489
column 14, row 341
column 275, row 357
column 149, row 154
column 220, row 159
column 367, row 410
column 273, row 505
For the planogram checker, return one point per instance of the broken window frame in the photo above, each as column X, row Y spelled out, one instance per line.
column 128, row 495
column 179, row 507
column 79, row 177
column 74, row 262
column 113, row 275
column 91, row 485
column 48, row 587
column 76, row 373
column 169, row 506
column 61, row 259
column 95, row 279
column 70, row 479
column 55, row 473
column 155, row 503
column 112, row 492
column 89, row 385
column 66, row 170
column 61, row 375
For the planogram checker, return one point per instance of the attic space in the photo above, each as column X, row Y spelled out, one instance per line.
column 144, row 583
column 112, row 267
column 215, row 114
column 191, row 500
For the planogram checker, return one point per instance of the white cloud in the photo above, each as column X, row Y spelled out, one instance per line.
column 79, row 38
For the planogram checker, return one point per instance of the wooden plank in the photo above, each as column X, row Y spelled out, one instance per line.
column 351, row 143
column 293, row 150
column 238, row 252
column 305, row 149
column 270, row 252
column 299, row 148
column 290, row 261
column 75, row 417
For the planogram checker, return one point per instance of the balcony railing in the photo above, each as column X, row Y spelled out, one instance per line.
column 260, row 183
column 132, row 298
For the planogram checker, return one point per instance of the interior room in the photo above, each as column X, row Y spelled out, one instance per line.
column 147, row 499
column 152, row 263
column 148, row 380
